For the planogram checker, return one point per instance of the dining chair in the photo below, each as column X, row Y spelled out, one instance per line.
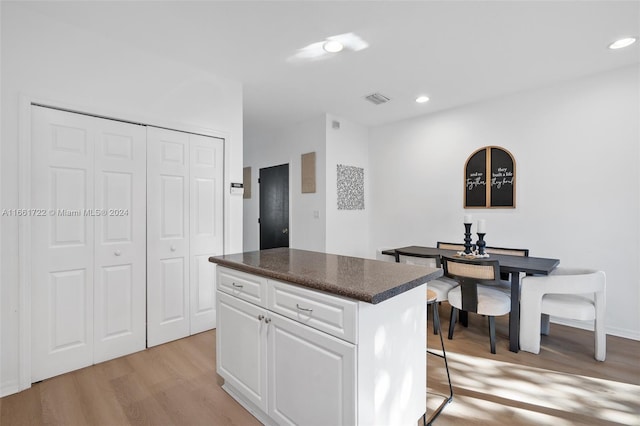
column 439, row 286
column 504, row 276
column 574, row 293
column 475, row 293
column 450, row 246
column 508, row 251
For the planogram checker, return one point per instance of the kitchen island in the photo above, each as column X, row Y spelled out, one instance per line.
column 313, row 338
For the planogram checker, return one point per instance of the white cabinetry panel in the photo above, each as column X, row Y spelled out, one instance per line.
column 311, row 376
column 241, row 360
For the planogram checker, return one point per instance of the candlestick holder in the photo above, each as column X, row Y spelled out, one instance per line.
column 481, row 243
column 467, row 238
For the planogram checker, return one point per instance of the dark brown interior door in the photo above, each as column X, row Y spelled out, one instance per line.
column 274, row 207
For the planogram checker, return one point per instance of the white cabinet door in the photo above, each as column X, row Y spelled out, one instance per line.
column 311, row 376
column 167, row 235
column 120, row 239
column 205, row 237
column 241, row 348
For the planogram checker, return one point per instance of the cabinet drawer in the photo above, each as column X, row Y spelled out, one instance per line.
column 242, row 285
column 331, row 314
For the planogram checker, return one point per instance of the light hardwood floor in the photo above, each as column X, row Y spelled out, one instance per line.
column 176, row 384
column 563, row 385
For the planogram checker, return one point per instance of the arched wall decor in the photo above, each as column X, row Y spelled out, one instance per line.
column 493, row 165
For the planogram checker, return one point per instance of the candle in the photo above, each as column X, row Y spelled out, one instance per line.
column 467, row 218
column 482, row 226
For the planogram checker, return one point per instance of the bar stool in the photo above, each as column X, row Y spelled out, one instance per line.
column 432, row 299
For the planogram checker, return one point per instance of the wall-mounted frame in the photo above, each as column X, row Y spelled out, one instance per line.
column 246, row 180
column 308, row 172
column 497, row 166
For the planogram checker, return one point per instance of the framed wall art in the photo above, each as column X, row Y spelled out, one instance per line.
column 490, row 179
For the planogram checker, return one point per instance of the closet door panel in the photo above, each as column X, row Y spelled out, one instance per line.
column 167, row 235
column 120, row 243
column 206, row 217
column 61, row 242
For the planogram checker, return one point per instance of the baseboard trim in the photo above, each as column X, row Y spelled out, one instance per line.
column 588, row 325
column 9, row 388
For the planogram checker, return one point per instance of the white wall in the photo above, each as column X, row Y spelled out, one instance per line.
column 576, row 147
column 52, row 61
column 347, row 230
column 307, row 232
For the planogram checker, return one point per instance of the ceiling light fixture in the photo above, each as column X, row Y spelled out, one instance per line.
column 326, row 48
column 332, row 46
column 623, row 42
column 422, row 99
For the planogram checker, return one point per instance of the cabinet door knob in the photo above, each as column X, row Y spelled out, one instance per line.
column 117, row 252
column 285, row 230
column 260, row 317
column 267, row 320
column 304, row 309
column 172, row 248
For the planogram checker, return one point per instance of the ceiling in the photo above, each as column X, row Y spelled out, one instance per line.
column 456, row 52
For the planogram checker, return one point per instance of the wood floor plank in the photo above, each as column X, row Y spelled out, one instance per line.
column 176, row 384
column 22, row 409
column 60, row 402
column 98, row 399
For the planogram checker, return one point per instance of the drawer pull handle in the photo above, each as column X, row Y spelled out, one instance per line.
column 304, row 309
column 237, row 285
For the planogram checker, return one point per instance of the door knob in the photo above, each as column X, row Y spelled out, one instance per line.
column 172, row 248
column 285, row 230
column 117, row 252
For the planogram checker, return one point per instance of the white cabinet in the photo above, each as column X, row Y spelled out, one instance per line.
column 311, row 376
column 290, row 373
column 296, row 356
column 241, row 357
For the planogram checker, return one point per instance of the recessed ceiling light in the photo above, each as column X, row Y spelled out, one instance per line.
column 332, row 46
column 623, row 42
column 422, row 99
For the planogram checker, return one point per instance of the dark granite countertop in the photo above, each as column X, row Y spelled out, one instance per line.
column 367, row 280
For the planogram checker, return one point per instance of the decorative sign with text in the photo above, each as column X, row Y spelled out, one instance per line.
column 490, row 178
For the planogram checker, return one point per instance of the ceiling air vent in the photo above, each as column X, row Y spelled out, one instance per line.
column 377, row 98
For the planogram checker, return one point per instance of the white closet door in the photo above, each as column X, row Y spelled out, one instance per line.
column 167, row 235
column 62, row 242
column 206, row 210
column 120, row 239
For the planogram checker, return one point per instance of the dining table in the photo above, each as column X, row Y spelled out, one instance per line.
column 511, row 264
